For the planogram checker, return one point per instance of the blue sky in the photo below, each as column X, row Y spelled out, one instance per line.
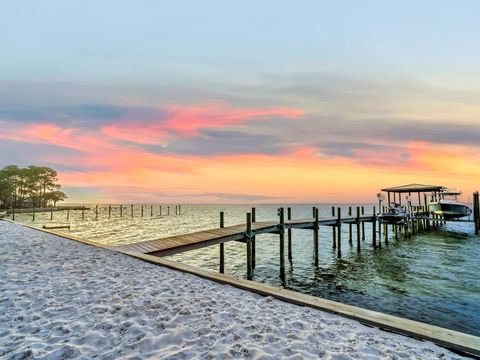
column 147, row 41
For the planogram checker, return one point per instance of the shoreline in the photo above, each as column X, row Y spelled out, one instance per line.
column 98, row 252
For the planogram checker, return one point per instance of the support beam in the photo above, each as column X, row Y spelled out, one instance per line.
column 374, row 228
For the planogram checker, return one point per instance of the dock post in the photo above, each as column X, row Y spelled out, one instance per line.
column 385, row 225
column 142, row 210
column 374, row 228
column 254, row 219
column 68, row 214
column 51, row 214
column 179, row 209
column 282, row 243
column 315, row 236
column 121, row 210
column 151, row 210
column 131, row 210
column 476, row 212
column 96, row 212
column 13, row 213
column 289, row 235
column 83, row 212
column 248, row 234
column 33, row 215
column 222, row 246
column 109, row 211
column 363, row 224
column 339, row 236
column 350, row 226
column 168, row 210
column 334, row 234
column 357, row 220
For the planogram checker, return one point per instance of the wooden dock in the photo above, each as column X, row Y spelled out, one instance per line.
column 180, row 243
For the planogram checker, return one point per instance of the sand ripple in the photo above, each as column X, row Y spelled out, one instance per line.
column 63, row 300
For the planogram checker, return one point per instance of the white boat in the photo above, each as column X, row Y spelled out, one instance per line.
column 394, row 214
column 449, row 207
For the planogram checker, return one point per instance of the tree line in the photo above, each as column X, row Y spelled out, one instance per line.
column 32, row 186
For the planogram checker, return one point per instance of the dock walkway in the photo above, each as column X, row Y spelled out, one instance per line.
column 180, row 243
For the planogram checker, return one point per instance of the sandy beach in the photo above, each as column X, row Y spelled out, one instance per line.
column 61, row 299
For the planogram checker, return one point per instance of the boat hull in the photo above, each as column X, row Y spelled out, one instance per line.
column 450, row 210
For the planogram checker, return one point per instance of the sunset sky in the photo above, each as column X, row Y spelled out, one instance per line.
column 241, row 102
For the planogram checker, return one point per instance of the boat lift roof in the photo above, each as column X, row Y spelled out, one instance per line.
column 415, row 188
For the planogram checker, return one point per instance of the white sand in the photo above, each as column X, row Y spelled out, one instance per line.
column 61, row 299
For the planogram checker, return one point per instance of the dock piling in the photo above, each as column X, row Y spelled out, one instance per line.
column 121, row 210
column 357, row 220
column 96, row 212
column 248, row 234
column 281, row 232
column 334, row 235
column 350, row 241
column 254, row 219
column 363, row 224
column 339, row 237
column 222, row 245
column 109, row 211
column 476, row 212
column 289, row 236
column 131, row 210
column 374, row 228
column 315, row 236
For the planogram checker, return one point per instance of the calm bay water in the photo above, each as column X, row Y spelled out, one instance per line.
column 432, row 277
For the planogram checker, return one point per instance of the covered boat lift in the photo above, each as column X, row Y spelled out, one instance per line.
column 432, row 191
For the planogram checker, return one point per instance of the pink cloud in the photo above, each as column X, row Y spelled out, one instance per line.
column 187, row 121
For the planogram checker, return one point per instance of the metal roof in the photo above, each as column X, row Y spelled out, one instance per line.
column 415, row 188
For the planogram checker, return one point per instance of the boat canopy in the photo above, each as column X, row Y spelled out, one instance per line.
column 415, row 188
